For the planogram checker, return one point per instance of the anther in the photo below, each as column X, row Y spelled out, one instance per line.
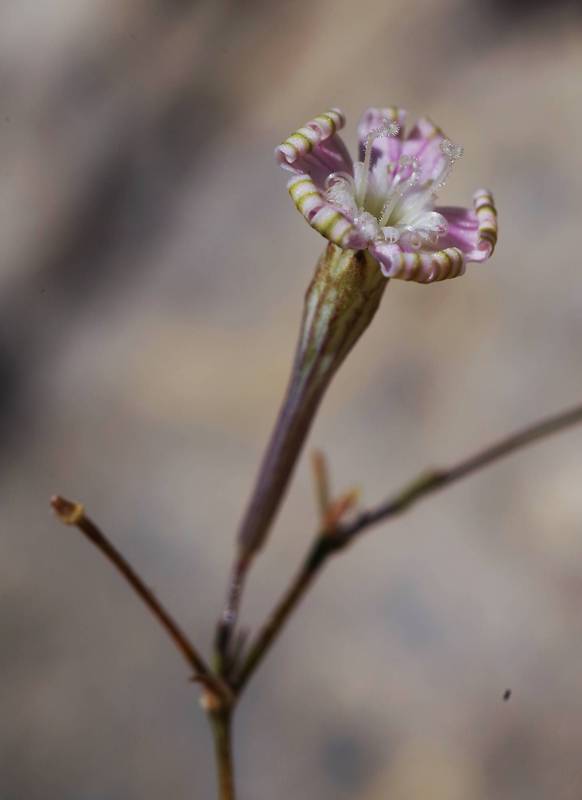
column 452, row 151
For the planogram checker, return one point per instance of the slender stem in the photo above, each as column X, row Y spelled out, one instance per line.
column 321, row 482
column 73, row 514
column 427, row 482
column 222, row 732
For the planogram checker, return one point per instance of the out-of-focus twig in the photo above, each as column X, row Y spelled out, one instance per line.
column 431, row 480
column 321, row 483
column 71, row 513
column 327, row 543
column 338, row 509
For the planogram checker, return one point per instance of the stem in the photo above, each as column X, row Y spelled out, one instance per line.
column 291, row 428
column 427, row 482
column 339, row 305
column 221, row 723
column 74, row 514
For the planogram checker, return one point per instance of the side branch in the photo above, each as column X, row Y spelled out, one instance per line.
column 431, row 480
column 74, row 514
column 328, row 542
column 307, row 573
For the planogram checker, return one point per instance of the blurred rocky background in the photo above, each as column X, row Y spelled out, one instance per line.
column 151, row 275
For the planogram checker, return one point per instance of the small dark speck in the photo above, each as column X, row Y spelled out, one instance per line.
column 506, row 695
column 6, row 119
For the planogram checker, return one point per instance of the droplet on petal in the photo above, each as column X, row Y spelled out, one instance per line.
column 368, row 225
column 391, row 234
column 339, row 189
column 414, row 238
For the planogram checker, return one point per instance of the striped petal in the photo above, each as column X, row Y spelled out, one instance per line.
column 321, row 215
column 422, row 266
column 474, row 232
column 487, row 216
column 316, row 149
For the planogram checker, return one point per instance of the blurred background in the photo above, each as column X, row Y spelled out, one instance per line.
column 152, row 269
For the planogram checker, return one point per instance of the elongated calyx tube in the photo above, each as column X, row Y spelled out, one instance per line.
column 340, row 303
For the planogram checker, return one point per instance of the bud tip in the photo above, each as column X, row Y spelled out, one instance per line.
column 68, row 512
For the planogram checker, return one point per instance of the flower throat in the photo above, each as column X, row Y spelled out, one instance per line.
column 393, row 201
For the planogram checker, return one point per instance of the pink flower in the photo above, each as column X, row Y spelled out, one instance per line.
column 385, row 203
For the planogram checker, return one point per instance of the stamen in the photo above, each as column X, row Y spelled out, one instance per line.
column 387, row 129
column 399, row 190
column 408, row 206
column 426, row 196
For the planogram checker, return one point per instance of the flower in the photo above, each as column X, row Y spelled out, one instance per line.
column 385, row 203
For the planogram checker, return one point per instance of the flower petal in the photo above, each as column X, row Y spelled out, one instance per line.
column 424, row 142
column 487, row 215
column 422, row 266
column 326, row 218
column 385, row 148
column 474, row 232
column 316, row 149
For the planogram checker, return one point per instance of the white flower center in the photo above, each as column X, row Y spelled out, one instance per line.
column 394, row 202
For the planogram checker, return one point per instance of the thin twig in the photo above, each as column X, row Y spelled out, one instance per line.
column 321, row 483
column 74, row 514
column 315, row 560
column 432, row 480
column 326, row 544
